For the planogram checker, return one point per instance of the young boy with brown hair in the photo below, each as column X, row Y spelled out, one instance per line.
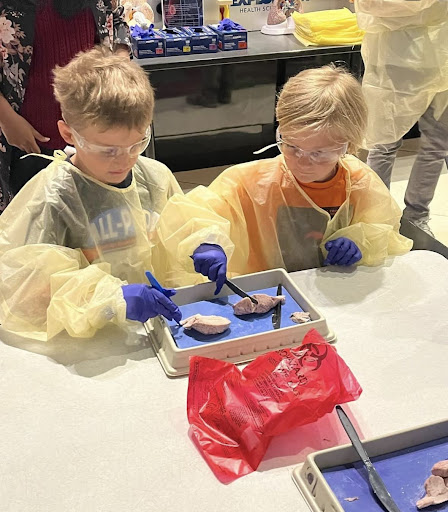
column 76, row 241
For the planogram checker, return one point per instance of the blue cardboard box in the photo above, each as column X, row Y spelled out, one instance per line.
column 203, row 39
column 231, row 39
column 147, row 48
column 177, row 42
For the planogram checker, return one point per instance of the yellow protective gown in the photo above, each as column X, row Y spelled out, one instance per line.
column 69, row 242
column 332, row 27
column 405, row 52
column 263, row 219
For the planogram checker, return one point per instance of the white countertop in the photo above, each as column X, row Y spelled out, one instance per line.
column 95, row 425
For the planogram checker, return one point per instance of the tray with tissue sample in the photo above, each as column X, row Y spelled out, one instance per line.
column 335, row 480
column 247, row 336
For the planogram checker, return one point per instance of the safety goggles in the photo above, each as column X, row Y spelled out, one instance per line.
column 112, row 151
column 318, row 156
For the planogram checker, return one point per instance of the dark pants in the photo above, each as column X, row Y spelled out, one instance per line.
column 427, row 167
column 23, row 170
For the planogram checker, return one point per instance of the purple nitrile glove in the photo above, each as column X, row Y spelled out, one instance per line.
column 342, row 251
column 228, row 24
column 210, row 260
column 143, row 302
column 142, row 33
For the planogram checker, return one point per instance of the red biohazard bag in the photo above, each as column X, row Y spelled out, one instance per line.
column 233, row 415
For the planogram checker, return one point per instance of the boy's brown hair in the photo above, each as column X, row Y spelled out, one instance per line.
column 106, row 90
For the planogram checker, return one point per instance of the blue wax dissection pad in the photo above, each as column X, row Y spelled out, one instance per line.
column 404, row 472
column 240, row 326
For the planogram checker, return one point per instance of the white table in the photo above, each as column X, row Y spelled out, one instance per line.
column 95, row 425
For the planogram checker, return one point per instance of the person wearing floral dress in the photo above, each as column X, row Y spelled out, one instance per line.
column 35, row 36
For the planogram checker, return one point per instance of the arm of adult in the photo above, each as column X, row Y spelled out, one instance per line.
column 17, row 130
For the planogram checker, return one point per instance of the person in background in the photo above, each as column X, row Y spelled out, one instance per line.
column 315, row 204
column 77, row 239
column 405, row 52
column 36, row 36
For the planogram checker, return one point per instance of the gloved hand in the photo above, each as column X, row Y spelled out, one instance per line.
column 342, row 251
column 143, row 302
column 210, row 260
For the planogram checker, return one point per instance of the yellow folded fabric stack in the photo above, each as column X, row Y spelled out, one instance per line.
column 332, row 27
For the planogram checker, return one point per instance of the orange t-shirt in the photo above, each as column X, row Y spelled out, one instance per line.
column 328, row 195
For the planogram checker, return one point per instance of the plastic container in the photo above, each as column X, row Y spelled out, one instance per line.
column 404, row 463
column 175, row 361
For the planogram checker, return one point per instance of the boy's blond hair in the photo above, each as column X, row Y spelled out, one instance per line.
column 106, row 90
column 324, row 99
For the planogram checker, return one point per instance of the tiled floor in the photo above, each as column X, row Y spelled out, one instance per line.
column 406, row 156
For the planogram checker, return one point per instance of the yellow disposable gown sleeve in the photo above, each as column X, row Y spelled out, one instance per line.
column 46, row 288
column 393, row 8
column 375, row 222
column 186, row 222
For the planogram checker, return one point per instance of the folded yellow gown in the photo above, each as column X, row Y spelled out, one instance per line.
column 332, row 27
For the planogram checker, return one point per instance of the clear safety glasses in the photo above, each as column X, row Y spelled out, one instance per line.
column 112, row 151
column 318, row 156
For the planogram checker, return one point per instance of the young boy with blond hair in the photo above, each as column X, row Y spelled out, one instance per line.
column 77, row 239
column 313, row 204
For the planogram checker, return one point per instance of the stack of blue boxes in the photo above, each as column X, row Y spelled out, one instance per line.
column 187, row 40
